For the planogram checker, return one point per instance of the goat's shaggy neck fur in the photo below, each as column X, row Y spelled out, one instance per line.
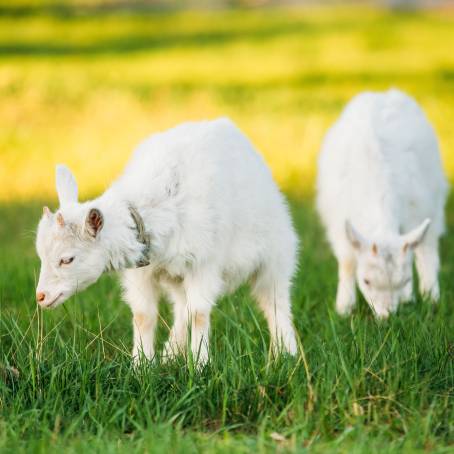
column 119, row 236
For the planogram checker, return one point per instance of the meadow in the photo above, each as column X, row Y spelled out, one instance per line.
column 84, row 87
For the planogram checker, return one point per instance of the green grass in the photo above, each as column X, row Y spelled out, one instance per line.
column 359, row 385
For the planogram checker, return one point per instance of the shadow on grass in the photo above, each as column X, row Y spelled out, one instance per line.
column 67, row 10
column 210, row 29
column 153, row 41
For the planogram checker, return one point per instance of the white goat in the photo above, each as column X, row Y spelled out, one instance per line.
column 380, row 175
column 195, row 214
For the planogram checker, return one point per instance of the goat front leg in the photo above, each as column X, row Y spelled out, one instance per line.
column 427, row 265
column 141, row 294
column 406, row 295
column 346, row 287
column 202, row 289
column 178, row 336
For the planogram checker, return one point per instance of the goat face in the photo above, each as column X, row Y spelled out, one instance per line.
column 68, row 245
column 384, row 270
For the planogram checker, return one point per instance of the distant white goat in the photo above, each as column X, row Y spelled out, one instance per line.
column 195, row 214
column 381, row 196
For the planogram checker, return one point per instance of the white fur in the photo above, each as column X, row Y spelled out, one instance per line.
column 380, row 170
column 215, row 218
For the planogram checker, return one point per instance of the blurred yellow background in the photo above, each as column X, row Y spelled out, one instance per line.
column 85, row 87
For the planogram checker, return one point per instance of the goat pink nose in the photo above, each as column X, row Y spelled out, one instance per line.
column 40, row 297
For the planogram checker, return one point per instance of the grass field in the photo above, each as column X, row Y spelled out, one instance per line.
column 84, row 89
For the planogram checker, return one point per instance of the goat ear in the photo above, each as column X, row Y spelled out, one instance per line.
column 94, row 222
column 355, row 238
column 47, row 212
column 374, row 249
column 66, row 185
column 414, row 237
column 60, row 220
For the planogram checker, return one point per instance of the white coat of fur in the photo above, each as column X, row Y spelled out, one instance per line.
column 215, row 218
column 381, row 196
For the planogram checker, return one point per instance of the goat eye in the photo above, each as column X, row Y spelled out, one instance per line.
column 66, row 261
column 366, row 281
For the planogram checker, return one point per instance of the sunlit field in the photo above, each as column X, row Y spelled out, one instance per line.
column 84, row 87
column 86, row 90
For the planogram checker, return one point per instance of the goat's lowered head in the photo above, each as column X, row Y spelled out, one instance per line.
column 384, row 267
column 69, row 244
